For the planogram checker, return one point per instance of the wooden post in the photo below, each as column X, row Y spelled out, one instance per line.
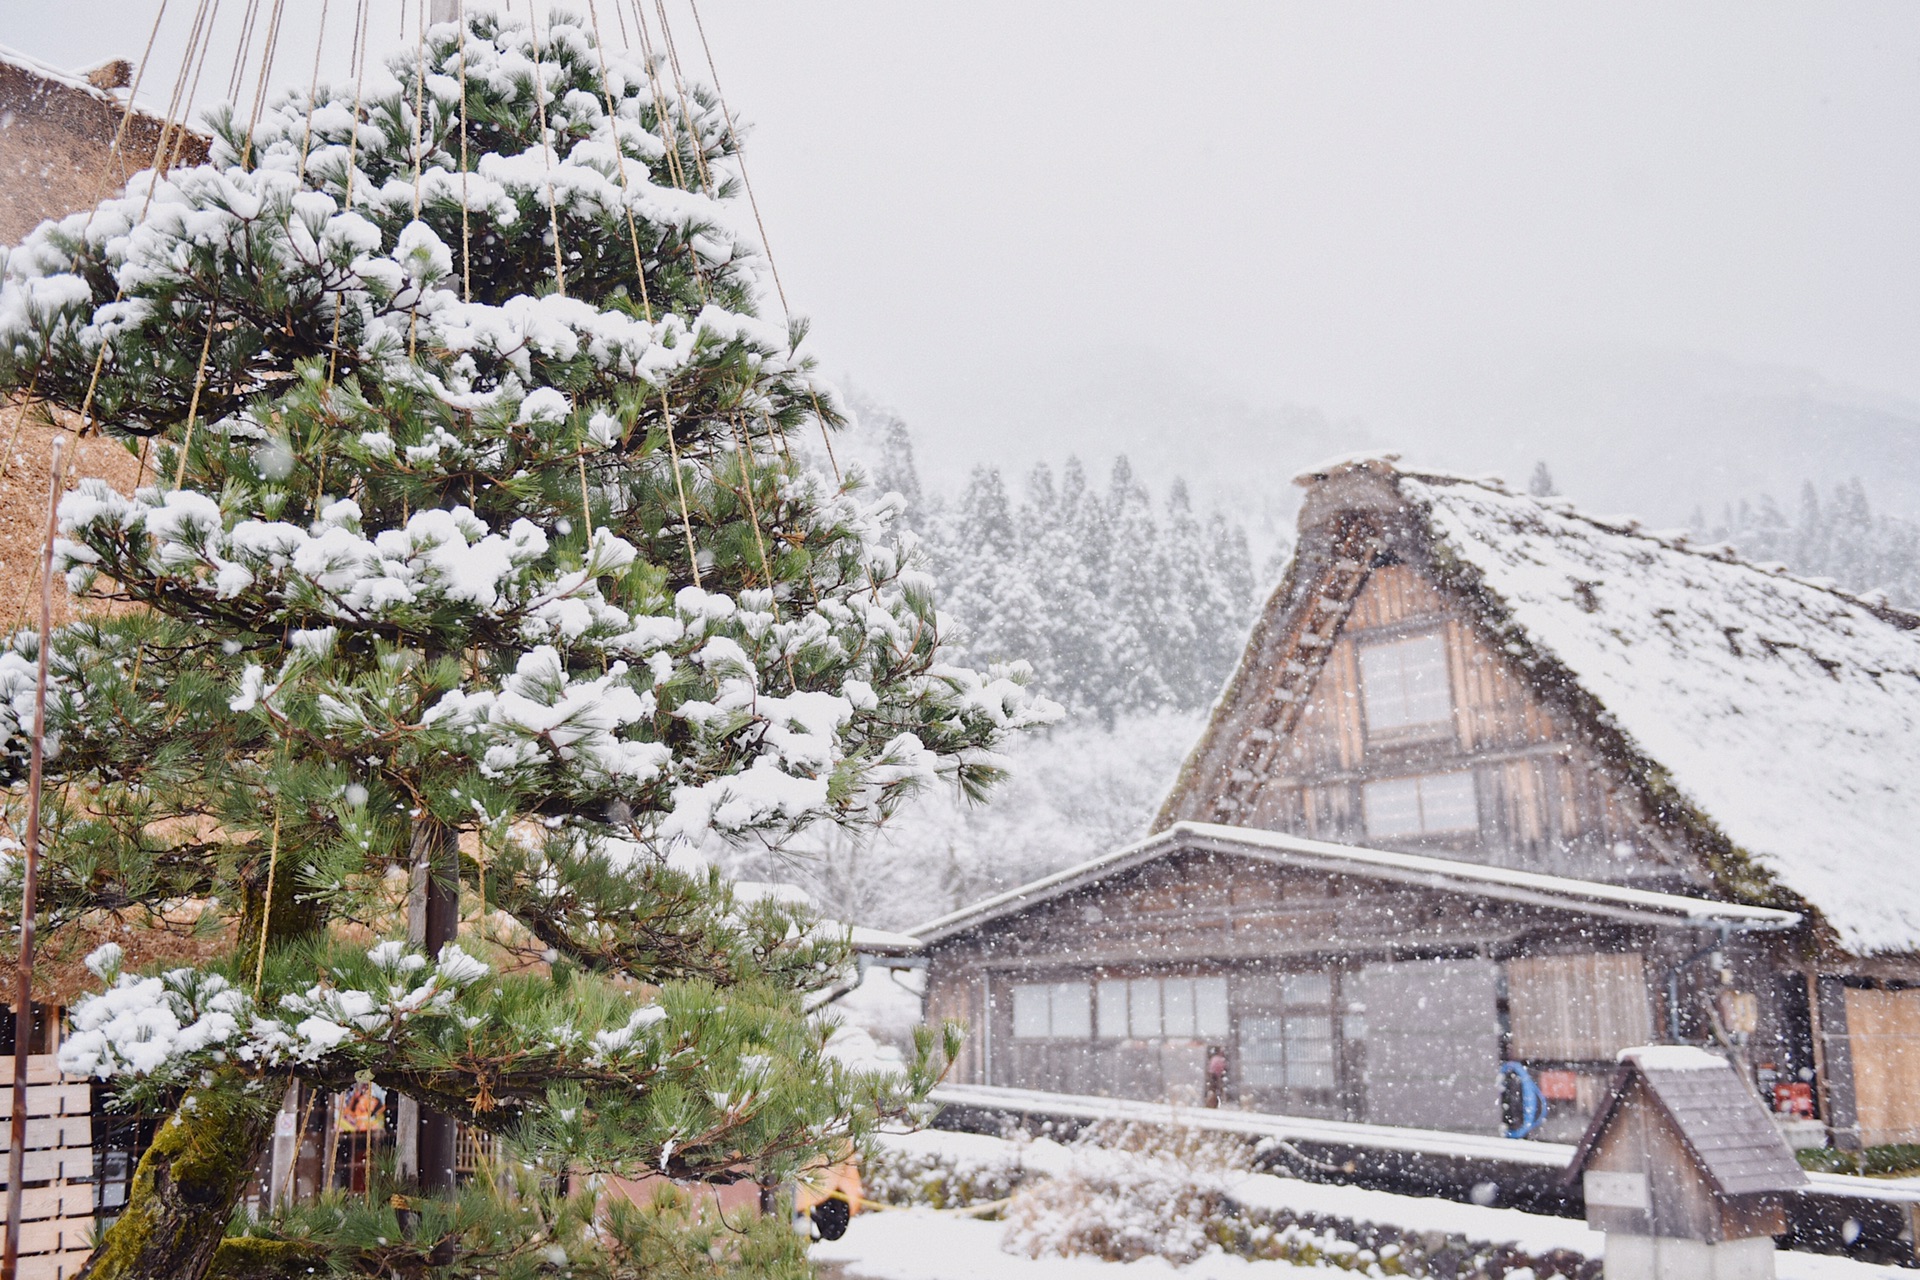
column 433, row 921
column 23, row 987
column 440, row 852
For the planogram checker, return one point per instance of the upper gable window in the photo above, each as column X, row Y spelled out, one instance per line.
column 1403, row 684
column 1431, row 804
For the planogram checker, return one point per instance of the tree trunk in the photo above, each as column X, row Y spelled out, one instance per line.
column 188, row 1182
column 433, row 920
column 184, row 1190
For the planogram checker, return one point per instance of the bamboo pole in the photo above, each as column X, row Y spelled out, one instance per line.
column 23, row 989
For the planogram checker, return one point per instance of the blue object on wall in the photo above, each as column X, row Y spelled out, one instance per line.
column 1533, row 1103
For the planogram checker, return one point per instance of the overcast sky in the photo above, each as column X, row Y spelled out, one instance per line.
column 1377, row 210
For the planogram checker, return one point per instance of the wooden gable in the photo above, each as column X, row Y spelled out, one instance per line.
column 1291, row 749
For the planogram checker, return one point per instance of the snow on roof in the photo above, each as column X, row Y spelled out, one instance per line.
column 1672, row 1057
column 1341, row 1133
column 869, row 941
column 1587, row 896
column 66, row 79
column 1787, row 713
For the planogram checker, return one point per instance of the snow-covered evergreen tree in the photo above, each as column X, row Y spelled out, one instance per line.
column 1185, row 563
column 481, row 541
column 1119, row 608
column 1840, row 537
column 1064, row 565
column 982, row 560
column 1137, row 598
column 886, row 444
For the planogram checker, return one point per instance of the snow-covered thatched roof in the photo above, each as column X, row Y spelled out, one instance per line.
column 1784, row 713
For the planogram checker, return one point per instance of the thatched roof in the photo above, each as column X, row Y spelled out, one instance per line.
column 1774, row 715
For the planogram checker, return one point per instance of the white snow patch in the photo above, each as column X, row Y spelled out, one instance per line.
column 1672, row 1057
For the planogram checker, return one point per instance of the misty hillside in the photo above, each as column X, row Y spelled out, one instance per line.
column 1663, row 435
column 1658, row 435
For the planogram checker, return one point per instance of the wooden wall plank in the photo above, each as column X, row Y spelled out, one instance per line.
column 72, row 1201
column 1884, row 1027
column 49, row 1100
column 42, row 1068
column 51, row 1132
column 1577, row 1008
column 63, row 1165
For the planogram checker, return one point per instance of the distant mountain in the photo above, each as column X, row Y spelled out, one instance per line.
column 1662, row 435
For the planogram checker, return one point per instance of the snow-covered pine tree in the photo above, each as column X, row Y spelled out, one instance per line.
column 481, row 539
column 1841, row 538
column 1235, row 595
column 1137, row 597
column 1064, row 565
column 1185, row 570
column 894, row 471
column 982, row 550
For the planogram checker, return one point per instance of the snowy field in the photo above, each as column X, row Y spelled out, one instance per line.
column 927, row 1244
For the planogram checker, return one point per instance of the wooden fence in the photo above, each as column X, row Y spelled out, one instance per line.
column 56, row 1230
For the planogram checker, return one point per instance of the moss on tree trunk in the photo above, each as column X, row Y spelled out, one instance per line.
column 184, row 1190
column 188, row 1182
column 251, row 1258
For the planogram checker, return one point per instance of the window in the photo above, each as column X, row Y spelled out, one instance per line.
column 1309, row 1050
column 1143, row 1008
column 1403, row 685
column 1170, row 1008
column 1052, row 1011
column 1113, row 1009
column 1294, row 1049
column 1428, row 804
column 1306, row 988
column 1289, row 1052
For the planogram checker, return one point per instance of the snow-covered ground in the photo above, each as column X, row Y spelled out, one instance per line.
column 924, row 1244
column 920, row 1244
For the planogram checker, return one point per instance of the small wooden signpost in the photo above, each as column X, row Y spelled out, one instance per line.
column 1684, row 1170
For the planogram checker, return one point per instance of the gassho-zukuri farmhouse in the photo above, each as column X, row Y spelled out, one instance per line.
column 1497, row 790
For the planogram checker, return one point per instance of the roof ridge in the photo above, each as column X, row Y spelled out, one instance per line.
column 76, row 80
column 1873, row 601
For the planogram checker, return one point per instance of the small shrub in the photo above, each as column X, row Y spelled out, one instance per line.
column 1130, row 1192
column 948, row 1170
column 1891, row 1160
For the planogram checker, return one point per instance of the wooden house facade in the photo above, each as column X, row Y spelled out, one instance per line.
column 1497, row 790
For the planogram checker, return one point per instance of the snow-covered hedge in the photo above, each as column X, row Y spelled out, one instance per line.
column 956, row 1170
column 1128, row 1193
